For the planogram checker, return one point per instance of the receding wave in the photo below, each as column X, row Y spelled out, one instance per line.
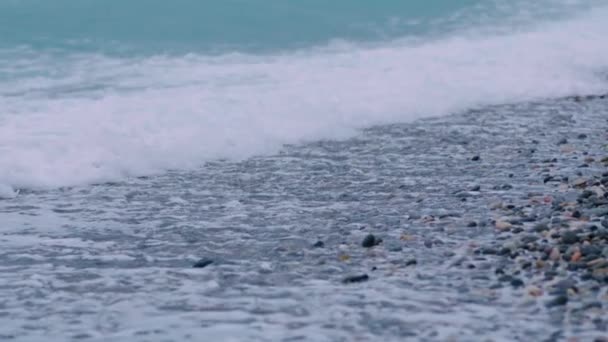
column 78, row 118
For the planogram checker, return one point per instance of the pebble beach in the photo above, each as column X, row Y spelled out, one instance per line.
column 489, row 225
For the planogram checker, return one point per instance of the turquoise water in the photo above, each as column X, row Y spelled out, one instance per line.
column 194, row 25
column 93, row 91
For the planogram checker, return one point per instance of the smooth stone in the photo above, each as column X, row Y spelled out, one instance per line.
column 558, row 301
column 370, row 241
column 319, row 244
column 355, row 279
column 529, row 238
column 516, row 282
column 202, row 263
column 475, row 158
column 411, row 262
column 569, row 238
column 541, row 227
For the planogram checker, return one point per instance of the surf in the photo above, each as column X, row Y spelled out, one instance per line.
column 79, row 117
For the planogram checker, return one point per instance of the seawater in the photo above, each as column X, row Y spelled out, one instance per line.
column 94, row 91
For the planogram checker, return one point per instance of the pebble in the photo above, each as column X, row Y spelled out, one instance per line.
column 319, row 244
column 569, row 238
column 558, row 301
column 516, row 282
column 355, row 279
column 475, row 158
column 370, row 241
column 411, row 262
column 202, row 263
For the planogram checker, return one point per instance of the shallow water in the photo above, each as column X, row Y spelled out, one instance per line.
column 113, row 261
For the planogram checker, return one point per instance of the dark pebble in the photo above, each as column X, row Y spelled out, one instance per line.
column 504, row 251
column 475, row 158
column 562, row 141
column 582, row 136
column 517, row 230
column 576, row 214
column 319, row 244
column 370, row 241
column 202, row 263
column 558, row 301
column 355, row 279
column 472, row 224
column 516, row 282
column 529, row 238
column 541, row 227
column 411, row 262
column 489, row 251
column 569, row 238
column 475, row 188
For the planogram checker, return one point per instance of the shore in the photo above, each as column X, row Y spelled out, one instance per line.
column 489, row 224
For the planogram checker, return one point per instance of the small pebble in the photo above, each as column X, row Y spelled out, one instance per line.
column 319, row 244
column 558, row 301
column 516, row 282
column 202, row 263
column 370, row 241
column 355, row 279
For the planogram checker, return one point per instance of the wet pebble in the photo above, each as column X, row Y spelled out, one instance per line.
column 370, row 241
column 202, row 263
column 319, row 244
column 355, row 279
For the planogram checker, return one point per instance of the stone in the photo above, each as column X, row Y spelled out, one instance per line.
column 370, row 241
column 319, row 244
column 569, row 238
column 558, row 301
column 355, row 279
column 202, row 263
column 516, row 282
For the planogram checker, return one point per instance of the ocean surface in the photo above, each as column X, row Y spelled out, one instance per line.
column 95, row 91
column 138, row 136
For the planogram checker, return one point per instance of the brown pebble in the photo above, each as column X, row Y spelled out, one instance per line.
column 534, row 291
column 576, row 256
column 502, row 225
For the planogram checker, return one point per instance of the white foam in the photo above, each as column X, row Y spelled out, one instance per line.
column 99, row 118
